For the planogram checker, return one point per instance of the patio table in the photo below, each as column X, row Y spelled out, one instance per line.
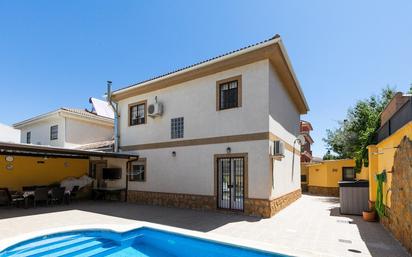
column 27, row 194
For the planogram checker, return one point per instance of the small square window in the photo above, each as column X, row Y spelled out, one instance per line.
column 177, row 128
column 138, row 171
column 137, row 114
column 54, row 131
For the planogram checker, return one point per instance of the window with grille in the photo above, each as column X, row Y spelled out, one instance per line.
column 54, row 132
column 137, row 114
column 28, row 137
column 138, row 171
column 229, row 93
column 177, row 128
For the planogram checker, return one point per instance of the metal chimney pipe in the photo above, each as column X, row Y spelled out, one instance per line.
column 116, row 116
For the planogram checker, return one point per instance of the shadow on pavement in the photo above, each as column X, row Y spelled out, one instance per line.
column 379, row 241
column 203, row 221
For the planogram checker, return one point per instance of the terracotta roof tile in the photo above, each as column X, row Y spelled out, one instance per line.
column 84, row 113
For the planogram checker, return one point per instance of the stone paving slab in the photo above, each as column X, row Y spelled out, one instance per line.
column 312, row 224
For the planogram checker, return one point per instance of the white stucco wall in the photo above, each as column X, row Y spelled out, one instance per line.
column 196, row 101
column 79, row 132
column 283, row 180
column 191, row 171
column 9, row 134
column 266, row 107
column 40, row 131
column 72, row 132
column 283, row 122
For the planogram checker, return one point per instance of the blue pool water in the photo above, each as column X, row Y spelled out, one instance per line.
column 141, row 242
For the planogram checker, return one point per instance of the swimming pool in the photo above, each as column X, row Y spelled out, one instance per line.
column 141, row 242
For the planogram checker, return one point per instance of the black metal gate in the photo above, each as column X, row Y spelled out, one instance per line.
column 230, row 183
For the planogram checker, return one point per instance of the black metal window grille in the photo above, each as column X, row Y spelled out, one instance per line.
column 228, row 92
column 231, row 183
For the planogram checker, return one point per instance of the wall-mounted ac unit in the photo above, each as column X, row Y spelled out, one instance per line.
column 278, row 148
column 155, row 109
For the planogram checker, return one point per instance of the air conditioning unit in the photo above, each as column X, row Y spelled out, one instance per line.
column 155, row 109
column 278, row 148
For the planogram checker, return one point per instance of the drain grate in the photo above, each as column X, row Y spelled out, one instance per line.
column 354, row 251
column 345, row 241
column 342, row 221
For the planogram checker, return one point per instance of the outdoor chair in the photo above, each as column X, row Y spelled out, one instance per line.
column 5, row 198
column 57, row 195
column 73, row 194
column 17, row 199
column 41, row 195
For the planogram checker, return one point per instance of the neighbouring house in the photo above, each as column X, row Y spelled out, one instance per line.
column 9, row 134
column 71, row 128
column 390, row 161
column 220, row 134
column 325, row 175
column 306, row 153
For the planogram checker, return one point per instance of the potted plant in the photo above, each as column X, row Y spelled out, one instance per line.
column 369, row 215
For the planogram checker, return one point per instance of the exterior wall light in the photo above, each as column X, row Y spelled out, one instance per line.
column 228, row 150
column 174, row 153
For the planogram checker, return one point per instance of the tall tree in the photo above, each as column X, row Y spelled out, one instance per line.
column 358, row 130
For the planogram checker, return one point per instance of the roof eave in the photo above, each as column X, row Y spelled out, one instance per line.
column 267, row 50
column 295, row 79
column 37, row 118
column 7, row 147
column 64, row 112
column 198, row 66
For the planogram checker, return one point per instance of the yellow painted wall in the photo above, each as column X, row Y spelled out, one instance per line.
column 28, row 172
column 317, row 175
column 381, row 158
column 304, row 170
column 329, row 173
column 364, row 174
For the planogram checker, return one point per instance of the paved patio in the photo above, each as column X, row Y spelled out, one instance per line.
column 311, row 224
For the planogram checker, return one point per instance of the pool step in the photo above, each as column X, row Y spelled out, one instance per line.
column 41, row 244
column 44, row 251
column 90, row 249
column 73, row 245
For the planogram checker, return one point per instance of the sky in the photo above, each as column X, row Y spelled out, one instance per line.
column 59, row 53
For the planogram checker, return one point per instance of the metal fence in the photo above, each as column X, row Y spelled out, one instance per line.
column 398, row 120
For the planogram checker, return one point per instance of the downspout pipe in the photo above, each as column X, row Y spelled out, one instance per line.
column 115, row 107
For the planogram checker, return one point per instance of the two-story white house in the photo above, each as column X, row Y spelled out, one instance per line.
column 68, row 128
column 220, row 134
